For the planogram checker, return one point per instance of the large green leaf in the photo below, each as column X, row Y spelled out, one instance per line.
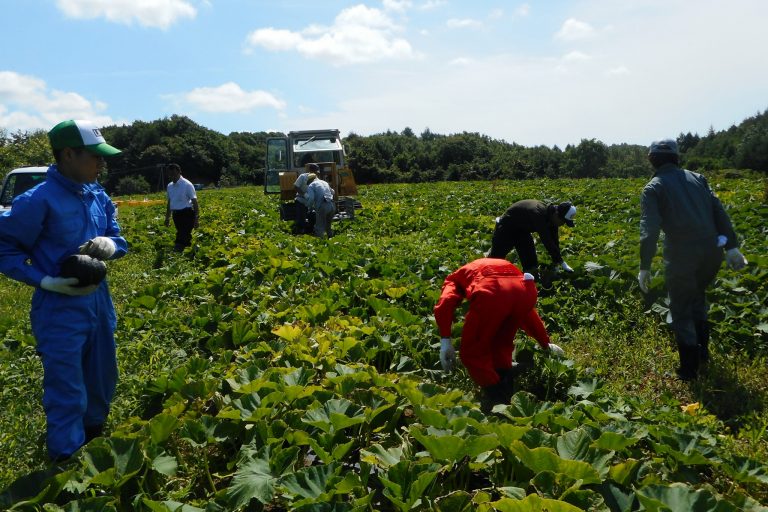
column 334, row 415
column 161, row 426
column 545, row 459
column 533, row 503
column 313, row 481
column 252, row 480
column 661, row 498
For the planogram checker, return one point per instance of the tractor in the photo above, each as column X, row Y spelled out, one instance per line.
column 289, row 156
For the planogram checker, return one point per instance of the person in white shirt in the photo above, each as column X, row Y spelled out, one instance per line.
column 301, row 224
column 319, row 196
column 182, row 206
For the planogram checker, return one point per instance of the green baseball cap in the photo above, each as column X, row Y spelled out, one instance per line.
column 80, row 134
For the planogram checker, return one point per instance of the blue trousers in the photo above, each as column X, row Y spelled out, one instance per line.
column 75, row 340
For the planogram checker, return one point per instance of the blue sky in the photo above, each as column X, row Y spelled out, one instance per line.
column 533, row 72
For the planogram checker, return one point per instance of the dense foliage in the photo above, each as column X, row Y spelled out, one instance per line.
column 209, row 157
column 263, row 371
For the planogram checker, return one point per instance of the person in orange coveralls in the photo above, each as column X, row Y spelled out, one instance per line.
column 501, row 300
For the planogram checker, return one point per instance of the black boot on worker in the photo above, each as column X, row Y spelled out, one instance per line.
column 93, row 431
column 499, row 393
column 689, row 362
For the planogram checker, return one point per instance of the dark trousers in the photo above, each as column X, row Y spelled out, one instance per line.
column 184, row 221
column 303, row 221
column 689, row 269
column 504, row 240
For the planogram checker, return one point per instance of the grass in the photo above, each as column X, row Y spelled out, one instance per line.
column 634, row 359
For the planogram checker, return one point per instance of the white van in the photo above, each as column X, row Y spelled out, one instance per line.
column 19, row 181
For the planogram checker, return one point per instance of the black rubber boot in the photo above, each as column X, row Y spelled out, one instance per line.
column 493, row 395
column 702, row 336
column 93, row 431
column 689, row 362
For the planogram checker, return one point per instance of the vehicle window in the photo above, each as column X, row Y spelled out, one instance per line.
column 277, row 149
column 17, row 184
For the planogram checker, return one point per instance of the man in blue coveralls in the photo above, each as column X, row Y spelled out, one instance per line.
column 74, row 326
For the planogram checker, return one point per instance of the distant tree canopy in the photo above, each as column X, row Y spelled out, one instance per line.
column 207, row 156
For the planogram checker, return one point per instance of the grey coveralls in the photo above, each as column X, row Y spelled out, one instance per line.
column 682, row 204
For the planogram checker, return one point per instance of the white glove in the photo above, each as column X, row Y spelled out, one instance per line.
column 722, row 240
column 556, row 350
column 644, row 279
column 735, row 259
column 101, row 248
column 566, row 267
column 447, row 354
column 66, row 285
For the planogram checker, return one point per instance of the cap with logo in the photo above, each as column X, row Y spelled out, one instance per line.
column 80, row 134
column 566, row 211
column 664, row 146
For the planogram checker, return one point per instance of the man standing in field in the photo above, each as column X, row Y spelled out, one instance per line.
column 501, row 300
column 74, row 326
column 302, row 224
column 514, row 228
column 182, row 205
column 319, row 197
column 697, row 230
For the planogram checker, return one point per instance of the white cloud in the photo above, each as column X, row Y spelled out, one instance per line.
column 573, row 30
column 522, row 11
column 397, row 5
column 359, row 34
column 149, row 13
column 460, row 61
column 618, row 70
column 228, row 98
column 496, row 14
column 576, row 56
column 26, row 103
column 432, row 4
column 463, row 23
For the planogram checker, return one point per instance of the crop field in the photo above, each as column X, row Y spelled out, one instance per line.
column 265, row 371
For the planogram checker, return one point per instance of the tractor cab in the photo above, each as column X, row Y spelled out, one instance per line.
column 289, row 156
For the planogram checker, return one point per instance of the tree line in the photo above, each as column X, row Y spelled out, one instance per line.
column 210, row 157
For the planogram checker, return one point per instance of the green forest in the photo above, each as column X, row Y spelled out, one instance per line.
column 211, row 158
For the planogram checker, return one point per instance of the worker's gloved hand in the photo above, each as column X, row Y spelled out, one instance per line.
column 447, row 354
column 566, row 267
column 556, row 350
column 66, row 285
column 101, row 248
column 734, row 259
column 722, row 240
column 644, row 280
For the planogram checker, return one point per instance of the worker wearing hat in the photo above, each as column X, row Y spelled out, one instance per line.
column 502, row 299
column 319, row 198
column 696, row 232
column 303, row 221
column 73, row 326
column 514, row 231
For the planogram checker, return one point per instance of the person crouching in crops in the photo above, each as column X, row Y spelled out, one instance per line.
column 501, row 300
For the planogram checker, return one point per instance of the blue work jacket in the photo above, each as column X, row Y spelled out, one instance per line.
column 49, row 222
